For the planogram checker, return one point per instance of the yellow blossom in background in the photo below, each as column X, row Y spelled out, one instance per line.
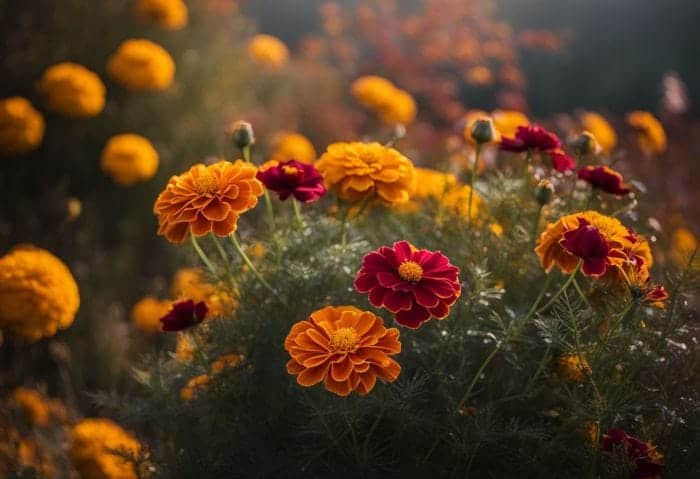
column 432, row 183
column 184, row 347
column 129, row 158
column 146, row 313
column 508, row 121
column 33, row 404
column 268, row 51
column 190, row 283
column 362, row 170
column 496, row 229
column 456, row 202
column 226, row 361
column 572, row 368
column 72, row 90
column 195, row 384
column 74, row 207
column 292, row 146
column 38, row 294
column 601, row 129
column 140, row 64
column 168, row 14
column 391, row 104
column 21, row 126
column 95, row 444
column 683, row 244
column 257, row 250
column 651, row 136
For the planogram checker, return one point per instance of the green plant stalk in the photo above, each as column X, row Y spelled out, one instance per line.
column 202, row 255
column 249, row 263
column 297, row 213
column 472, row 182
column 536, row 224
column 225, row 259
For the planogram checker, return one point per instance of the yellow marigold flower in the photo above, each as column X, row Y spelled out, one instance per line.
column 168, row 14
column 38, row 294
column 601, row 129
column 508, row 121
column 456, row 201
column 184, row 348
column 226, row 361
column 21, row 126
column 432, row 183
column 129, row 158
column 268, row 51
column 360, row 170
column 292, row 146
column 95, row 444
column 195, row 384
column 391, row 104
column 146, row 314
column 472, row 117
column 683, row 243
column 572, row 368
column 140, row 64
column 496, row 229
column 72, row 90
column 257, row 250
column 190, row 283
column 651, row 136
column 33, row 404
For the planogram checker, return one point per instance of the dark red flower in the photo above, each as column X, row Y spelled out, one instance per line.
column 654, row 295
column 588, row 243
column 604, row 178
column 561, row 161
column 184, row 314
column 531, row 137
column 293, row 178
column 413, row 284
column 643, row 456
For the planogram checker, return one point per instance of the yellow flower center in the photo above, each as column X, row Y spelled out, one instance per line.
column 290, row 170
column 344, row 339
column 410, row 271
column 206, row 183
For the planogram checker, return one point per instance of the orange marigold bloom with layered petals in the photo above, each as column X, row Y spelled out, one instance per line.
column 651, row 136
column 72, row 90
column 357, row 170
column 345, row 347
column 38, row 294
column 97, row 447
column 552, row 252
column 168, row 14
column 206, row 199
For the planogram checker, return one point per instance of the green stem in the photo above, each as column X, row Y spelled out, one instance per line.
column 580, row 293
column 249, row 263
column 270, row 212
column 478, row 374
column 297, row 213
column 561, row 290
column 538, row 371
column 225, row 259
column 199, row 351
column 536, row 224
column 202, row 255
column 246, row 153
column 472, row 182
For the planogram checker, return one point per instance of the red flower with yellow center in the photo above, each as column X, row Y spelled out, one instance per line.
column 532, row 138
column 413, row 284
column 292, row 177
column 604, row 178
column 344, row 347
column 588, row 243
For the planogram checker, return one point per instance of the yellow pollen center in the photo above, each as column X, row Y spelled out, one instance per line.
column 290, row 170
column 410, row 271
column 344, row 339
column 206, row 182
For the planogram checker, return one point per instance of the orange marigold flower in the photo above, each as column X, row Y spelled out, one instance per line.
column 456, row 202
column 168, row 14
column 190, row 283
column 359, row 170
column 572, row 368
column 651, row 136
column 292, row 146
column 207, row 199
column 184, row 347
column 146, row 314
column 21, row 126
column 38, row 294
column 140, row 64
column 391, row 104
column 601, row 129
column 72, row 90
column 194, row 385
column 98, row 447
column 225, row 361
column 268, row 51
column 683, row 244
column 129, row 158
column 551, row 250
column 33, row 404
column 508, row 121
column 345, row 347
column 432, row 183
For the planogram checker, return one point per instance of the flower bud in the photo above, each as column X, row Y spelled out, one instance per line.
column 242, row 134
column 482, row 131
column 586, row 144
column 544, row 191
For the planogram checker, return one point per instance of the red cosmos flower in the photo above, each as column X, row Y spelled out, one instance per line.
column 561, row 161
column 642, row 455
column 655, row 295
column 413, row 284
column 587, row 243
column 293, row 178
column 184, row 314
column 604, row 178
column 531, row 137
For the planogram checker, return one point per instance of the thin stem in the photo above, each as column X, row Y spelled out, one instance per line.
column 297, row 213
column 536, row 224
column 533, row 308
column 246, row 153
column 580, row 293
column 225, row 259
column 562, row 289
column 270, row 212
column 472, row 182
column 202, row 255
column 249, row 263
column 538, row 371
column 478, row 374
column 199, row 351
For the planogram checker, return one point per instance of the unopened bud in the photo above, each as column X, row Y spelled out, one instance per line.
column 242, row 134
column 544, row 192
column 482, row 131
column 586, row 144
